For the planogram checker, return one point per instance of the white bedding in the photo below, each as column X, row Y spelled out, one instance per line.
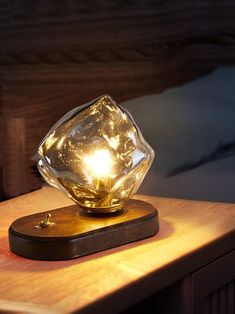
column 214, row 181
column 188, row 126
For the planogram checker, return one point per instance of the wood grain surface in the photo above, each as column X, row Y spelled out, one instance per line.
column 57, row 55
column 191, row 235
column 74, row 233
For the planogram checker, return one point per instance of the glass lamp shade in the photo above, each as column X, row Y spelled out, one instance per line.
column 96, row 155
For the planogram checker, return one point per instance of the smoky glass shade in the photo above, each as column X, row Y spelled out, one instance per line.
column 96, row 155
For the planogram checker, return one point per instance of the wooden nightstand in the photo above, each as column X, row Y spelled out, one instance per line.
column 188, row 267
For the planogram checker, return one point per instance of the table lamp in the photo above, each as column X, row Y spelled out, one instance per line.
column 98, row 157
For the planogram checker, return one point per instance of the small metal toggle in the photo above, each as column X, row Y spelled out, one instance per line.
column 45, row 222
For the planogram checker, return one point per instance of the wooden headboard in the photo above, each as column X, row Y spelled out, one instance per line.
column 58, row 54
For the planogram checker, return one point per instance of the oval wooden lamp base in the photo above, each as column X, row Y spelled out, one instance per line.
column 69, row 232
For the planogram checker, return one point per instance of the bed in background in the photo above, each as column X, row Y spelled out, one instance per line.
column 56, row 55
column 192, row 130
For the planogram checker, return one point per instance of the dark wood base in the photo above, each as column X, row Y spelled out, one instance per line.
column 73, row 233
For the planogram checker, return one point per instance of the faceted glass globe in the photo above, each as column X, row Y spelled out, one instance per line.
column 96, row 155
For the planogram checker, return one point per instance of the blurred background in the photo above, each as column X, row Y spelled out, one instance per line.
column 56, row 55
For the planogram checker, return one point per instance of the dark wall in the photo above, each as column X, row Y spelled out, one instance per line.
column 58, row 54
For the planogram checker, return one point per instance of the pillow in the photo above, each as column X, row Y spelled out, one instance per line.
column 186, row 124
column 214, row 181
column 218, row 84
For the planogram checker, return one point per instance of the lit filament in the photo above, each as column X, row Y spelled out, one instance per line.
column 100, row 163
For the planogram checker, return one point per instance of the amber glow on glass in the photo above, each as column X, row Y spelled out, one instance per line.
column 99, row 164
column 96, row 155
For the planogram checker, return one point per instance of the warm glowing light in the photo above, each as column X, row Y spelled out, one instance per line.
column 100, row 163
column 60, row 142
column 51, row 140
column 96, row 155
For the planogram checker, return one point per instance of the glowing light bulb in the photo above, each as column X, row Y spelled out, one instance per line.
column 99, row 163
column 96, row 155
